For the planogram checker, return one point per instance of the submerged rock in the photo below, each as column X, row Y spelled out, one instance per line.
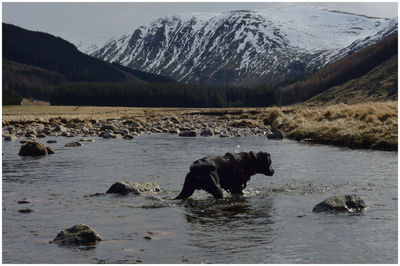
column 341, row 203
column 137, row 188
column 24, row 201
column 27, row 210
column 33, row 148
column 74, row 144
column 187, row 134
column 79, row 234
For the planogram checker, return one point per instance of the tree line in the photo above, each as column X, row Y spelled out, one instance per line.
column 161, row 95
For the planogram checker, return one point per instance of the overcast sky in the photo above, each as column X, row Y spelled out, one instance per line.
column 88, row 21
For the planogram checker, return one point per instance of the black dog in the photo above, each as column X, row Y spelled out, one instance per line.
column 229, row 172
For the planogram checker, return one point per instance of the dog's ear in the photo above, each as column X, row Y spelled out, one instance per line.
column 253, row 156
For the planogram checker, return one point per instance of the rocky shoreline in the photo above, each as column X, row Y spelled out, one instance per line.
column 361, row 126
column 190, row 125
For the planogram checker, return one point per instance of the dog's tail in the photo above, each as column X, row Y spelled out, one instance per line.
column 188, row 187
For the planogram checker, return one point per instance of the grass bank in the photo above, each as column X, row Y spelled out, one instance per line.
column 371, row 125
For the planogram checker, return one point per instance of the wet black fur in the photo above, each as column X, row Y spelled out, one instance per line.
column 230, row 172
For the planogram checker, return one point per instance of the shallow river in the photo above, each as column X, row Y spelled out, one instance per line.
column 272, row 223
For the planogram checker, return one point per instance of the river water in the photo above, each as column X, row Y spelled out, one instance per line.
column 272, row 223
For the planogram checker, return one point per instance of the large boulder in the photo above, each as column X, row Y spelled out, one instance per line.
column 341, row 203
column 137, row 188
column 33, row 148
column 79, row 234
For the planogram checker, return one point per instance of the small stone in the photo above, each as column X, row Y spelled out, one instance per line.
column 148, row 237
column 52, row 141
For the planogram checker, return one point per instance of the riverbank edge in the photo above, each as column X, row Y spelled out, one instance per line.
column 372, row 125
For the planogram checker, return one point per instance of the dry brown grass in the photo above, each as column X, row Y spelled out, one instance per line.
column 369, row 125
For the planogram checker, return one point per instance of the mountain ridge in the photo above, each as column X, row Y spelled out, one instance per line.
column 245, row 47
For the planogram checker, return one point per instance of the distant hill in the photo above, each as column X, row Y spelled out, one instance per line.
column 379, row 84
column 53, row 53
column 30, row 81
column 353, row 66
column 35, row 63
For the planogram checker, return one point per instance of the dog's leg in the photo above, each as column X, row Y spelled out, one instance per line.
column 212, row 186
column 188, row 187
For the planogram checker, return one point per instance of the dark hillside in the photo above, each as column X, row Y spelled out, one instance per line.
column 350, row 67
column 36, row 63
column 30, row 81
column 379, row 84
column 53, row 53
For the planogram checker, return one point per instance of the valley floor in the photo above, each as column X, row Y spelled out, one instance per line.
column 371, row 125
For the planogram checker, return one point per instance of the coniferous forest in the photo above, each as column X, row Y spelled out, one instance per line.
column 162, row 95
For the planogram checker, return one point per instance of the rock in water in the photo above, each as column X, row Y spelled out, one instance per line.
column 276, row 135
column 79, row 234
column 206, row 132
column 28, row 210
column 341, row 203
column 10, row 138
column 74, row 144
column 187, row 134
column 137, row 188
column 33, row 148
column 50, row 150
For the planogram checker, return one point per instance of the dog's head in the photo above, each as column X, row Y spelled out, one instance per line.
column 262, row 163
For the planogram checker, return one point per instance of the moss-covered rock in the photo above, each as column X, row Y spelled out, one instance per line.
column 341, row 203
column 79, row 234
column 33, row 148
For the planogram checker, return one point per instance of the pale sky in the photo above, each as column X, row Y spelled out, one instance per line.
column 88, row 21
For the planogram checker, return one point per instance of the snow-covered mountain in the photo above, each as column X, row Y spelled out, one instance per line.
column 244, row 47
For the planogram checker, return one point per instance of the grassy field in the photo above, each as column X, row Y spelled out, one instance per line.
column 371, row 125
